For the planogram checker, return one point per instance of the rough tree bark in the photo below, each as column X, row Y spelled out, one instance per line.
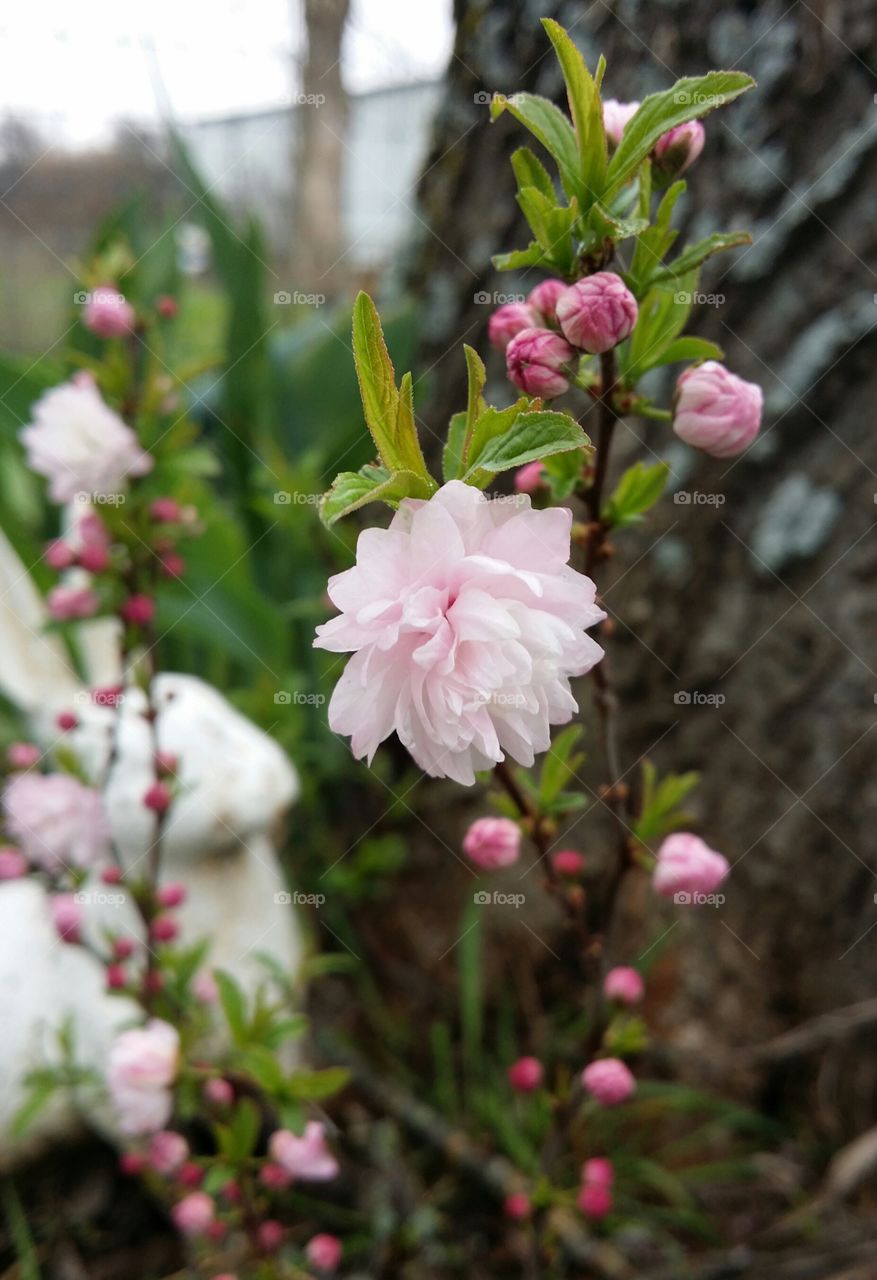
column 321, row 121
column 763, row 594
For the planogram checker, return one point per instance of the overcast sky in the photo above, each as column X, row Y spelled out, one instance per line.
column 74, row 68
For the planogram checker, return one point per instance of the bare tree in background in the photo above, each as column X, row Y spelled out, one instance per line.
column 320, row 125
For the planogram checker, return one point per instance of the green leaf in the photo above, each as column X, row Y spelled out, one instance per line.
column 655, row 242
column 263, row 1065
column 662, row 316
column 688, row 99
column 530, row 172
column 234, row 1005
column 313, row 1086
column 244, row 1129
column 660, row 810
column 690, row 349
column 694, row 255
column 531, row 437
column 561, row 472
column 561, row 763
column 550, row 126
column 587, row 114
column 354, row 489
column 452, row 454
column 517, row 259
column 477, row 376
column 389, row 415
column 639, row 488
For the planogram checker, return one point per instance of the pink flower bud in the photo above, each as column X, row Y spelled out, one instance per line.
column 194, row 1214
column 67, row 916
column 117, row 978
column 493, row 842
column 543, row 300
column 171, row 895
column 508, row 321
column 528, row 479
column 164, row 929
column 66, row 720
column 58, row 555
column 167, row 1151
column 219, row 1092
column 107, row 314
column 13, row 864
column 165, row 511
column 598, row 1171
column 525, row 1075
column 677, row 149
column 595, row 1201
column 158, row 797
column 537, row 362
column 275, row 1177
column 217, row 1230
column 124, row 948
column 609, row 1081
column 324, row 1252
column 598, row 312
column 624, row 985
column 225, row 1275
column 166, row 306
column 138, row 610
column 306, row 1155
column 687, row 868
column 204, row 987
column 191, row 1174
column 111, row 875
column 23, row 755
column 67, row 604
column 715, row 410
column 231, row 1192
column 92, row 531
column 93, row 558
column 166, row 762
column 616, row 117
column 269, row 1235
column 517, row 1206
column 172, row 565
column 132, row 1163
column 568, row 862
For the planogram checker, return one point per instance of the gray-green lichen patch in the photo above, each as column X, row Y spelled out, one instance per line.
column 795, row 523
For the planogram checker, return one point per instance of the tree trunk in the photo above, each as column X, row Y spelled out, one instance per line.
column 752, row 595
column 321, row 122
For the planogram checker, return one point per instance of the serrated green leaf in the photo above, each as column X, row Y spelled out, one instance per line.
column 639, row 488
column 689, row 99
column 690, row 349
column 243, row 1130
column 549, row 125
column 660, row 810
column 561, row 763
column 531, row 437
column 662, row 316
column 694, row 255
column 529, row 171
column 476, row 377
column 452, row 454
column 354, row 489
column 587, row 114
column 312, row 1086
column 234, row 1005
column 517, row 259
column 655, row 242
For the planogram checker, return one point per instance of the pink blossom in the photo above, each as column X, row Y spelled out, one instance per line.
column 269, row 1235
column 538, row 360
column 598, row 1171
column 609, row 1081
column 165, row 510
column 69, row 604
column 59, row 554
column 219, row 1092
column 595, row 1201
column 568, row 862
column 164, row 929
column 543, row 300
column 525, row 1075
column 624, row 985
column 67, row 916
column 715, row 410
column 688, row 868
column 492, row 843
column 191, row 1174
column 172, row 894
column 204, row 987
column 107, row 313
column 158, row 797
column 13, row 864
column 517, row 1206
column 23, row 755
column 509, row 320
column 306, row 1157
column 138, row 610
column 598, row 312
column 529, row 479
column 324, row 1252
column 94, row 558
column 79, row 444
column 275, row 1177
column 168, row 1151
column 57, row 821
column 117, row 978
column 616, row 117
column 678, row 148
column 194, row 1214
column 142, row 1067
column 467, row 623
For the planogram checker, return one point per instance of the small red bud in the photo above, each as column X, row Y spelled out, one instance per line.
column 158, row 797
column 66, row 721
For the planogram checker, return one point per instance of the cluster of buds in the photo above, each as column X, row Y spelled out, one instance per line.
column 674, row 152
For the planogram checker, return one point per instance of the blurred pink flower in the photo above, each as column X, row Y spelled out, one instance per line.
column 609, row 1081
column 624, row 985
column 530, row 478
column 598, row 1171
column 595, row 1200
column 70, row 604
column 107, row 313
column 56, row 820
column 466, row 623
column 79, row 444
column 492, row 843
column 616, row 117
column 23, row 755
column 168, row 1151
column 525, row 1075
column 13, row 864
column 194, row 1214
column 324, row 1252
column 715, row 410
column 142, row 1066
column 538, row 360
column 306, row 1157
column 67, row 915
column 687, row 866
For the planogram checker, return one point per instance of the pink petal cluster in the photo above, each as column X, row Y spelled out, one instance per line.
column 616, row 117
column 609, row 1081
column 508, row 321
column 306, row 1157
column 194, row 1214
column 568, row 862
column 466, row 623
column 108, row 314
column 678, row 149
column 688, row 867
column 543, row 300
column 715, row 410
column 624, row 985
column 168, row 1151
column 492, row 843
column 525, row 1075
column 324, row 1252
column 79, row 444
column 142, row 1067
column 537, row 361
column 598, row 312
column 57, row 821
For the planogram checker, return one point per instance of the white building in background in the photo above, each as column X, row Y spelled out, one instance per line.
column 248, row 161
